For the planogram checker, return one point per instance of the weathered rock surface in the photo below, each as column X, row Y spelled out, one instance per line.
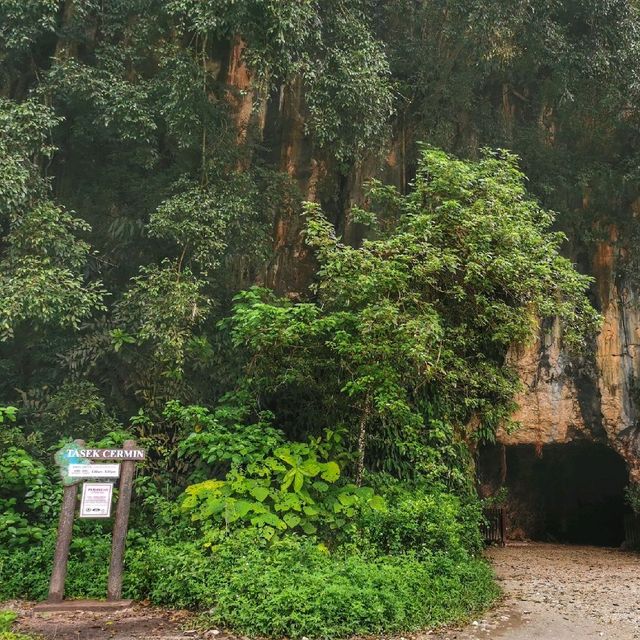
column 564, row 398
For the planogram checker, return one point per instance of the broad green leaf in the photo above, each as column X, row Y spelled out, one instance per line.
column 268, row 518
column 287, row 480
column 260, row 493
column 309, row 528
column 347, row 499
column 366, row 493
column 330, row 472
column 310, row 468
column 291, row 519
column 320, row 486
column 285, row 454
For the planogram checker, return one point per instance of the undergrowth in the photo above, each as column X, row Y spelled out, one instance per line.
column 7, row 618
column 411, row 566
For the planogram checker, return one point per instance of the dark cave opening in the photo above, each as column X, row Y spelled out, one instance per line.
column 570, row 493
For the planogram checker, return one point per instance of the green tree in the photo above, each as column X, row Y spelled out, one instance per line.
column 406, row 340
column 41, row 257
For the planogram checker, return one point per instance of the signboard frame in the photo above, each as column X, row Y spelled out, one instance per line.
column 75, row 453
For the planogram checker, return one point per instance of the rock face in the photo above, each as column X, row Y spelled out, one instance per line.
column 565, row 399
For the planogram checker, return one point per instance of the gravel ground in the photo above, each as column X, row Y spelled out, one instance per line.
column 552, row 592
column 559, row 592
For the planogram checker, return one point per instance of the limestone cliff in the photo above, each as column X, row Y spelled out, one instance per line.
column 591, row 398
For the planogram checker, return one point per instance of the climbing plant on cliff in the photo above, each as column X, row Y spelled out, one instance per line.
column 556, row 82
column 160, row 133
column 406, row 337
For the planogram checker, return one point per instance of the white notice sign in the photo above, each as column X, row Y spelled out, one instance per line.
column 96, row 500
column 94, row 470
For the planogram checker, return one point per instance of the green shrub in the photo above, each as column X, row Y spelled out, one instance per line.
column 25, row 572
column 295, row 588
column 222, row 435
column 12, row 635
column 179, row 575
column 291, row 587
column 295, row 489
column 7, row 618
column 424, row 522
column 28, row 498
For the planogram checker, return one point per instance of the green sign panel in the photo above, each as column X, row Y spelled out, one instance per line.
column 66, row 456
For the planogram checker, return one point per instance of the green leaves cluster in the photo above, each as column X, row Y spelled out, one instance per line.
column 328, row 48
column 294, row 489
column 226, row 436
column 161, row 310
column 41, row 257
column 130, row 111
column 294, row 588
column 21, row 24
column 552, row 81
column 6, row 620
column 27, row 497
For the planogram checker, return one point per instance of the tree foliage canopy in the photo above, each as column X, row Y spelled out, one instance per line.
column 156, row 156
column 407, row 336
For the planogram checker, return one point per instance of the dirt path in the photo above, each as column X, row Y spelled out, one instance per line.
column 135, row 623
column 557, row 592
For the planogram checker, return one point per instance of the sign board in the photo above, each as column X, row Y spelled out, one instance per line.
column 94, row 471
column 106, row 454
column 96, row 500
column 72, row 456
column 75, row 462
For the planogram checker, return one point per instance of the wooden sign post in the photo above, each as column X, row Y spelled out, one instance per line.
column 65, row 531
column 120, row 526
column 75, row 464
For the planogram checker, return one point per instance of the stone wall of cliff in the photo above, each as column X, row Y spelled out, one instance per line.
column 593, row 397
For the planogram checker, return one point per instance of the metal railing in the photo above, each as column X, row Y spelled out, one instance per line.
column 632, row 531
column 494, row 528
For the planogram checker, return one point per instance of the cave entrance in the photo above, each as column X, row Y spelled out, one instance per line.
column 570, row 493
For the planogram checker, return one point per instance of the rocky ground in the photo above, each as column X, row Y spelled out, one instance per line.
column 552, row 592
column 559, row 592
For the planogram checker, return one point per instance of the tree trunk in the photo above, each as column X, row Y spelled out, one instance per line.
column 362, row 442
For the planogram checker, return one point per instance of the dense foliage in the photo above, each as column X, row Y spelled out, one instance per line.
column 220, row 235
column 405, row 340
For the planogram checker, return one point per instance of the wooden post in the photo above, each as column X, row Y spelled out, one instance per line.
column 503, row 526
column 120, row 525
column 65, row 530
